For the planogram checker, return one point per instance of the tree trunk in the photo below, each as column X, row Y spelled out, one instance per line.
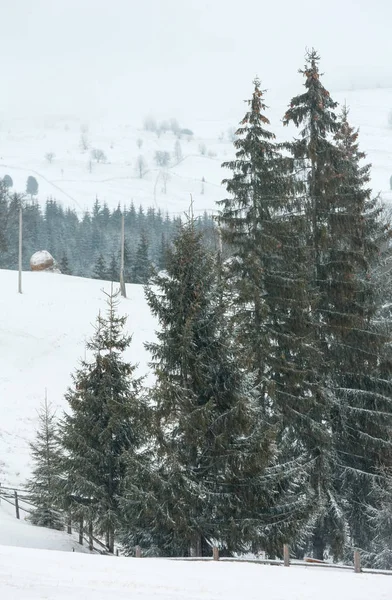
column 110, row 541
column 195, row 545
column 318, row 544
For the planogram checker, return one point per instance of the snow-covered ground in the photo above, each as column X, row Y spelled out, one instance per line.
column 25, row 142
column 35, row 574
column 21, row 534
column 42, row 338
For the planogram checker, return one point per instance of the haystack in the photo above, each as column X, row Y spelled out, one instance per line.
column 42, row 261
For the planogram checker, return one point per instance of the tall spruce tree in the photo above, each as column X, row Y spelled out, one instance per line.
column 104, row 422
column 316, row 157
column 215, row 475
column 266, row 229
column 342, row 237
column 44, row 482
column 358, row 341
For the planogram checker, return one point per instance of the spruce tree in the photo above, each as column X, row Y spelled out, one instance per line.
column 343, row 237
column 358, row 340
column 214, row 473
column 104, row 422
column 265, row 229
column 142, row 266
column 316, row 157
column 100, row 269
column 113, row 273
column 44, row 482
column 64, row 265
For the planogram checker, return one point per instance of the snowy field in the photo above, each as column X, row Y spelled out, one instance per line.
column 25, row 142
column 36, row 574
column 42, row 338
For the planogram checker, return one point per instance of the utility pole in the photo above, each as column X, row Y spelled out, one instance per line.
column 20, row 251
column 122, row 282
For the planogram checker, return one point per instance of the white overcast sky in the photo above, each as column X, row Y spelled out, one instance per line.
column 181, row 57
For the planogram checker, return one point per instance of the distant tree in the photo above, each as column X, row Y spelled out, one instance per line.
column 32, row 186
column 150, row 124
column 202, row 185
column 142, row 266
column 202, row 149
column 7, row 180
column 178, row 151
column 141, row 166
column 114, row 269
column 49, row 156
column 174, row 126
column 84, row 141
column 187, row 132
column 64, row 265
column 100, row 269
column 165, row 176
column 231, row 134
column 139, row 143
column 162, row 158
column 98, row 155
column 44, row 483
column 164, row 126
column 390, row 182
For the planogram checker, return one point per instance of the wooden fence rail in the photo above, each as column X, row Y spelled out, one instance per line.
column 16, row 496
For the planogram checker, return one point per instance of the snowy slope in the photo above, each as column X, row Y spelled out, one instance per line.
column 32, row 574
column 20, row 533
column 24, row 143
column 42, row 337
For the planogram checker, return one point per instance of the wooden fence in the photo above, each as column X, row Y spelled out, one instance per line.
column 20, row 499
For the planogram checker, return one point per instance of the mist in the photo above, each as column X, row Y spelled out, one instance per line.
column 126, row 58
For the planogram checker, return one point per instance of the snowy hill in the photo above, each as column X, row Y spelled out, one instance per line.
column 31, row 574
column 42, row 337
column 24, row 144
column 21, row 534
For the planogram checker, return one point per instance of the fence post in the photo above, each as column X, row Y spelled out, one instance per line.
column 17, row 505
column 69, row 525
column 138, row 552
column 90, row 536
column 286, row 555
column 357, row 562
column 81, row 532
column 215, row 553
